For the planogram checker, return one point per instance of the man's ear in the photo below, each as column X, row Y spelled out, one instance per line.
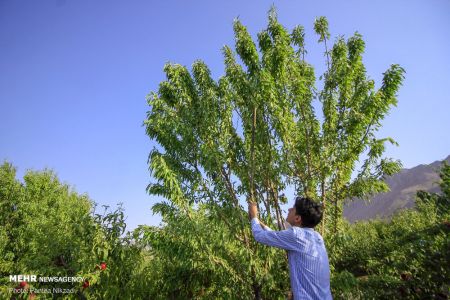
column 298, row 219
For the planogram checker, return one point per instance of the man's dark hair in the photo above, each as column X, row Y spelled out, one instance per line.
column 310, row 211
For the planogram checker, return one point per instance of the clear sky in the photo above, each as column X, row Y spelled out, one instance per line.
column 74, row 75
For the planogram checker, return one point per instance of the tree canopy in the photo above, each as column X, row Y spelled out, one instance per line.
column 255, row 131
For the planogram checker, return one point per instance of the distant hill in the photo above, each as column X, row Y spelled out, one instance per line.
column 404, row 186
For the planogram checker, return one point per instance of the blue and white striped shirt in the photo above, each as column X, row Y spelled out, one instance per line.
column 308, row 260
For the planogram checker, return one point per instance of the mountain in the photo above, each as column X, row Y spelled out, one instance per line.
column 404, row 186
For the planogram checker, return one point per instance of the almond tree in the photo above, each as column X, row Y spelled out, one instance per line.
column 255, row 132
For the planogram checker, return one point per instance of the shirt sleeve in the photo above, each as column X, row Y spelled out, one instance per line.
column 284, row 239
column 267, row 228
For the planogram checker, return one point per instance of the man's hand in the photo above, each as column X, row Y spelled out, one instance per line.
column 252, row 210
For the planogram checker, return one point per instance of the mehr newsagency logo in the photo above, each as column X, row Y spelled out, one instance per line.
column 25, row 288
column 35, row 278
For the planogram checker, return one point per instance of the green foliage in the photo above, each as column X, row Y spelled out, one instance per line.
column 195, row 257
column 405, row 257
column 47, row 229
column 247, row 136
column 42, row 220
column 254, row 133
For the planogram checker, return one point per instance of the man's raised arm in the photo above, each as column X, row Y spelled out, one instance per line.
column 284, row 239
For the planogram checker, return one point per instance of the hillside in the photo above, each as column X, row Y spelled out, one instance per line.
column 404, row 186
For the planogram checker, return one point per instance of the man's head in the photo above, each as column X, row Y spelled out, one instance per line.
column 305, row 213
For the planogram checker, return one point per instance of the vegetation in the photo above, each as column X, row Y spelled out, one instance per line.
column 49, row 230
column 246, row 137
column 254, row 133
column 405, row 257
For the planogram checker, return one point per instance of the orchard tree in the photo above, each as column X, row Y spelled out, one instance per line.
column 195, row 256
column 48, row 229
column 255, row 132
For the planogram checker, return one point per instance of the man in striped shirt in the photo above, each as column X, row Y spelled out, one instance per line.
column 308, row 260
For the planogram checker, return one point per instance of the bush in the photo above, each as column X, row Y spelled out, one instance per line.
column 47, row 229
column 405, row 257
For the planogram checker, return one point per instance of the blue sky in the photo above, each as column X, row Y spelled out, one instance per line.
column 74, row 75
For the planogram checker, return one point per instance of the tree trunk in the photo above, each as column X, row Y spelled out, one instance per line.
column 257, row 291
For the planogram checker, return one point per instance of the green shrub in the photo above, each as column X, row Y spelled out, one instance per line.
column 406, row 257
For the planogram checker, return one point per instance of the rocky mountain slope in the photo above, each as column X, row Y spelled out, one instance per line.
column 404, row 186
